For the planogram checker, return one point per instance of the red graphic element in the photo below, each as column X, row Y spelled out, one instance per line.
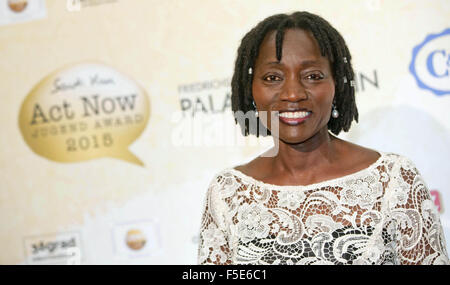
column 436, row 199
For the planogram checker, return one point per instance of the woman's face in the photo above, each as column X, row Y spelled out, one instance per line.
column 300, row 87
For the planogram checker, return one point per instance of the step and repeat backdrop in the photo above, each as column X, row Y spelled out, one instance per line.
column 116, row 114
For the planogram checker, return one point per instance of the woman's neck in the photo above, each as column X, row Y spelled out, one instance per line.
column 311, row 155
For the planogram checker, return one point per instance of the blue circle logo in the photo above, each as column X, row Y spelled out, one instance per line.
column 430, row 64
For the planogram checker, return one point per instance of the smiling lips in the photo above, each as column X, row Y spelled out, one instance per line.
column 294, row 118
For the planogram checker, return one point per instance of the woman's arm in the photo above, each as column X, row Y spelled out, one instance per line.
column 214, row 240
column 419, row 234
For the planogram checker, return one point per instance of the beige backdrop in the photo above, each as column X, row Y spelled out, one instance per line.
column 109, row 210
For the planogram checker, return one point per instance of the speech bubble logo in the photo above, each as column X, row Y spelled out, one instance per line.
column 84, row 111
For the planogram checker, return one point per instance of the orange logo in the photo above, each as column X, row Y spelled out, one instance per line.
column 17, row 5
column 135, row 239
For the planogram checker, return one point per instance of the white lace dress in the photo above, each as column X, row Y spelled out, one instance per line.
column 382, row 214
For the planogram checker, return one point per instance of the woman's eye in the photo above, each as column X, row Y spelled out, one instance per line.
column 315, row 76
column 272, row 78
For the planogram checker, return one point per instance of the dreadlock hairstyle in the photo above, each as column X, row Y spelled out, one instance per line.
column 332, row 46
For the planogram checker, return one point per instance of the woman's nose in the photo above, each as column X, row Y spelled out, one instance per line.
column 293, row 90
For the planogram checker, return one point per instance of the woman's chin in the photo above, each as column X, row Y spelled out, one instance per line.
column 292, row 139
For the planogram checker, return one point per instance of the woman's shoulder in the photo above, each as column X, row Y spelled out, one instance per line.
column 223, row 178
column 223, row 173
column 400, row 165
column 399, row 159
column 369, row 156
column 394, row 164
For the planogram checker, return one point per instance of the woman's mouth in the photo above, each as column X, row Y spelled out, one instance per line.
column 294, row 118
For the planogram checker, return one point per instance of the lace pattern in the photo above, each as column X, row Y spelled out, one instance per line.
column 382, row 214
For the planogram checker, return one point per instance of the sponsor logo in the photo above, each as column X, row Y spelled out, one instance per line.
column 136, row 239
column 18, row 11
column 62, row 248
column 84, row 111
column 430, row 64
column 17, row 5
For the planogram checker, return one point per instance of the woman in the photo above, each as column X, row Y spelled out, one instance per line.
column 318, row 199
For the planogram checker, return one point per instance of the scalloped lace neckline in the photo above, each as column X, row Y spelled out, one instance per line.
column 309, row 186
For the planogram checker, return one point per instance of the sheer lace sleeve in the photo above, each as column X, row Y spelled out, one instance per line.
column 214, row 239
column 418, row 230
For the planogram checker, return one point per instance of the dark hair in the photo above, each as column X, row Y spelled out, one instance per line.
column 331, row 44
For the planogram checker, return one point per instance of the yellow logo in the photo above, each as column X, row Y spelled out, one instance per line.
column 84, row 111
column 17, row 5
column 135, row 239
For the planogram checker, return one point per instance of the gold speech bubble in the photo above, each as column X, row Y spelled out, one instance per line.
column 84, row 111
